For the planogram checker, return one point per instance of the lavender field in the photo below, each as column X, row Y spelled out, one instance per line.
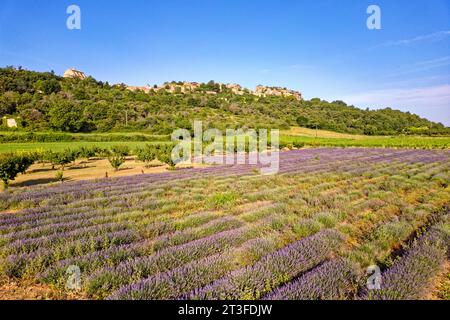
column 228, row 232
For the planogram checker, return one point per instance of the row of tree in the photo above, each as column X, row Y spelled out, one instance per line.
column 13, row 164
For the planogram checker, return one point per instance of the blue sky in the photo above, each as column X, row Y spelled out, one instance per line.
column 322, row 48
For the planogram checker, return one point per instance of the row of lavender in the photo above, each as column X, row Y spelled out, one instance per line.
column 247, row 283
column 152, row 264
column 52, row 223
column 411, row 275
column 292, row 161
column 105, row 194
column 408, row 279
column 97, row 231
column 141, row 199
column 334, row 279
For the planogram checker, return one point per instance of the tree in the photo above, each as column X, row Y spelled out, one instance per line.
column 303, row 121
column 121, row 150
column 65, row 116
column 12, row 164
column 165, row 155
column 146, row 154
column 116, row 160
column 61, row 158
column 84, row 106
column 8, row 103
column 48, row 86
column 86, row 153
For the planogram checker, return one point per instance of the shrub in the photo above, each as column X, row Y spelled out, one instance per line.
column 59, row 176
column 333, row 280
column 164, row 154
column 121, row 150
column 116, row 160
column 220, row 200
column 146, row 154
column 13, row 164
column 62, row 158
column 410, row 275
column 306, row 227
column 326, row 218
column 87, row 152
column 279, row 267
column 298, row 144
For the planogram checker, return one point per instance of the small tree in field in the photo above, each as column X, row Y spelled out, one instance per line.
column 86, row 153
column 116, row 156
column 62, row 158
column 116, row 160
column 146, row 154
column 167, row 159
column 121, row 150
column 13, row 164
column 102, row 152
column 164, row 154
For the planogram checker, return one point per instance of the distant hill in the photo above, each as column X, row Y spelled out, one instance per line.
column 44, row 101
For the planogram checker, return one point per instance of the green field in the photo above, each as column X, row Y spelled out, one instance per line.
column 13, row 142
column 60, row 146
column 372, row 142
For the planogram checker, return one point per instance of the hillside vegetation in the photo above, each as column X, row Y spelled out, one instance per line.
column 45, row 101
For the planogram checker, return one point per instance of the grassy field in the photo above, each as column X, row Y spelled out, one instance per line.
column 371, row 142
column 308, row 137
column 315, row 138
column 60, row 146
column 305, row 132
column 309, row 232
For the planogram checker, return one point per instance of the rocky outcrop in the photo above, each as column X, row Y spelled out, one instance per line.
column 74, row 74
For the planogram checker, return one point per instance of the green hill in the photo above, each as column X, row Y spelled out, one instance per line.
column 45, row 101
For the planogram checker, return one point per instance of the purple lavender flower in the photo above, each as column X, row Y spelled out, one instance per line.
column 274, row 269
column 410, row 276
column 333, row 280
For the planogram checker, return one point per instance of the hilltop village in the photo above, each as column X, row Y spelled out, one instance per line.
column 185, row 87
column 211, row 87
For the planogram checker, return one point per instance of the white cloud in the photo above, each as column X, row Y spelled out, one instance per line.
column 430, row 102
column 420, row 66
column 437, row 95
column 301, row 66
column 436, row 36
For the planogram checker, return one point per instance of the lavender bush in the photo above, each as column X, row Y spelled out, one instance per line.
column 410, row 276
column 149, row 237
column 254, row 281
column 333, row 280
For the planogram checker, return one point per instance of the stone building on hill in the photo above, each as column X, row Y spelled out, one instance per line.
column 181, row 87
column 145, row 89
column 188, row 87
column 263, row 91
column 235, row 88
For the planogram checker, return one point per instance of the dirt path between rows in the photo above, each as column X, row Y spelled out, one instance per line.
column 27, row 290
